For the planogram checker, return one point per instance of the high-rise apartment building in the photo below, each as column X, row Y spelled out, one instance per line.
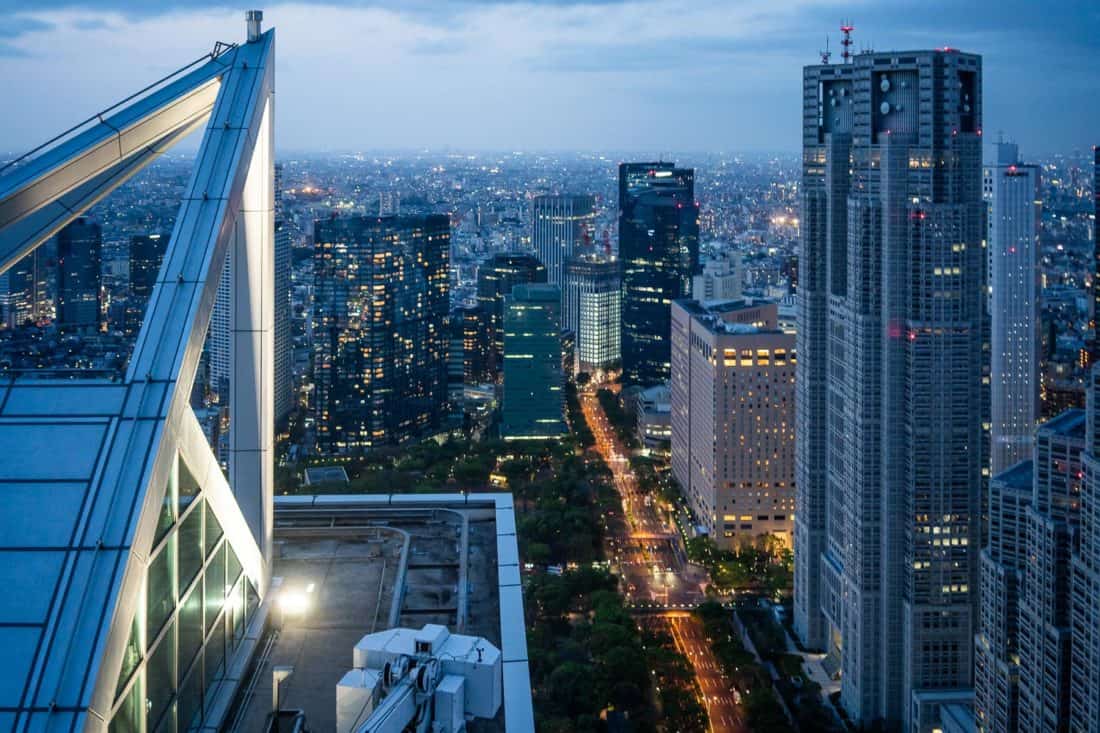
column 732, row 400
column 533, row 403
column 1012, row 191
column 284, row 388
column 721, row 278
column 146, row 253
column 560, row 227
column 659, row 251
column 592, row 310
column 380, row 330
column 79, row 251
column 495, row 279
column 890, row 395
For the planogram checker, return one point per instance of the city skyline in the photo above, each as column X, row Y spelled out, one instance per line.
column 549, row 76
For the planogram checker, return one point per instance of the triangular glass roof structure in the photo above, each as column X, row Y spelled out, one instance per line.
column 128, row 562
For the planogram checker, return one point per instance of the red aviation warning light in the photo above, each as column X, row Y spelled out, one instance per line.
column 846, row 29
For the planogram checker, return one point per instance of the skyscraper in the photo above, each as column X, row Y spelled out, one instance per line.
column 495, row 279
column 1052, row 523
column 592, row 310
column 146, row 253
column 996, row 649
column 733, row 418
column 1094, row 345
column 18, row 291
column 79, row 246
column 1084, row 671
column 1012, row 190
column 533, row 404
column 380, row 330
column 890, row 399
column 284, row 388
column 659, row 251
column 559, row 227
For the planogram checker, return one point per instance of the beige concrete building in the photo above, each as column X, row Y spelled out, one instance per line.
column 733, row 418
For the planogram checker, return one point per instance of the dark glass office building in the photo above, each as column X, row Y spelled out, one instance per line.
column 146, row 253
column 495, row 279
column 532, row 407
column 79, row 247
column 659, row 251
column 380, row 330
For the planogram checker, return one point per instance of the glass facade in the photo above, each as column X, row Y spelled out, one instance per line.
column 533, row 405
column 197, row 605
column 496, row 277
column 380, row 330
column 659, row 251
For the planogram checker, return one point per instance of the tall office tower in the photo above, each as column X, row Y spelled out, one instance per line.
column 17, row 292
column 283, row 382
column 592, row 310
column 1052, row 522
column 560, row 226
column 218, row 346
column 475, row 346
column 1084, row 672
column 496, row 277
column 1012, row 191
column 1094, row 345
column 380, row 330
column 533, row 404
column 720, row 279
column 732, row 398
column 146, row 253
column 659, row 251
column 996, row 647
column 79, row 246
column 890, row 394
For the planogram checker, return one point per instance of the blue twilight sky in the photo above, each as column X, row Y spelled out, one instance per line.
column 686, row 75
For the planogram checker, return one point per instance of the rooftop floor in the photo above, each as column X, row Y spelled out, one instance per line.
column 365, row 569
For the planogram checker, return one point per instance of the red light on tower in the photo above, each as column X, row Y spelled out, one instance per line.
column 846, row 41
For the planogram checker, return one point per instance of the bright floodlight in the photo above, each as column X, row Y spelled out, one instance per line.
column 294, row 603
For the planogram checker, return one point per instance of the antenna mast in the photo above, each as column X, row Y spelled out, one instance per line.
column 846, row 29
column 825, row 55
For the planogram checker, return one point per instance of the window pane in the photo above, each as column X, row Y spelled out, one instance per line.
column 215, row 657
column 215, row 586
column 213, row 531
column 168, row 722
column 188, row 486
column 234, row 570
column 131, row 656
column 251, row 600
column 160, row 678
column 167, row 512
column 161, row 589
column 190, row 546
column 128, row 717
column 190, row 700
column 234, row 616
column 190, row 629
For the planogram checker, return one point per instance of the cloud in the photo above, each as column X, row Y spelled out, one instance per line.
column 555, row 74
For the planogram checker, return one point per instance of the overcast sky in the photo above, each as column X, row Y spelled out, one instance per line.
column 684, row 75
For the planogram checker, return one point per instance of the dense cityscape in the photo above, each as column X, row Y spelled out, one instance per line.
column 620, row 441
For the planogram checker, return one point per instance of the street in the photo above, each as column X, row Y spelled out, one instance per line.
column 647, row 553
